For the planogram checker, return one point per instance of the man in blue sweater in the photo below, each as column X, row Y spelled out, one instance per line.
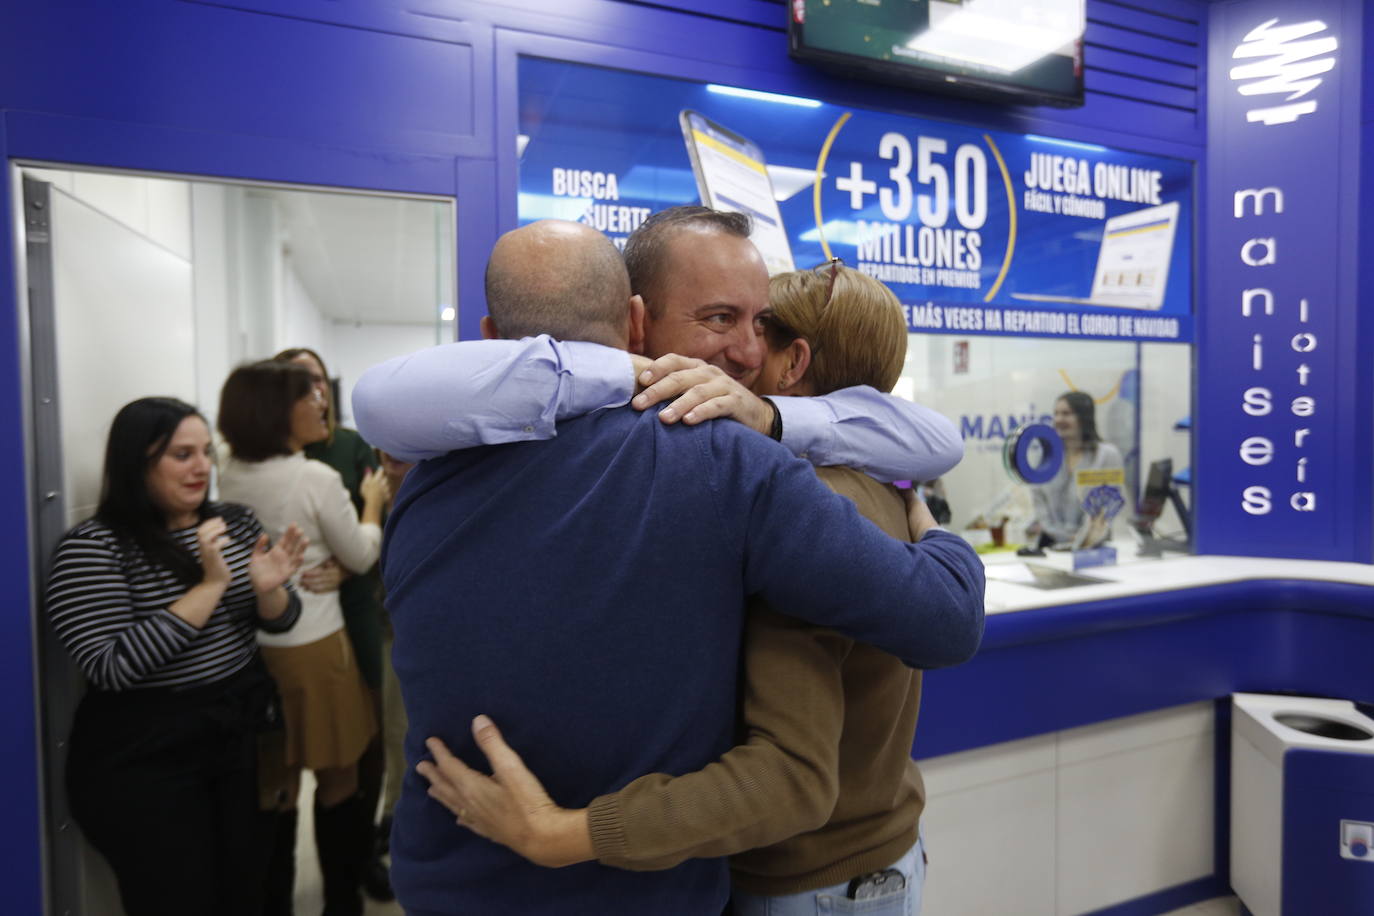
column 589, row 590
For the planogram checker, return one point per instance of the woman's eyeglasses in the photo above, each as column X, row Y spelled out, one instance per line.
column 829, row 269
column 782, row 333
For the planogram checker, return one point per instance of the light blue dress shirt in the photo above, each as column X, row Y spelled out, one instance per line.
column 485, row 392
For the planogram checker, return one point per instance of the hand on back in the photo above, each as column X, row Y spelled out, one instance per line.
column 918, row 515
column 510, row 806
column 326, row 577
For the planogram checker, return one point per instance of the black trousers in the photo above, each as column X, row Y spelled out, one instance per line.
column 164, row 785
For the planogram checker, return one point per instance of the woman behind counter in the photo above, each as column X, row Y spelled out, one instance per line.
column 269, row 411
column 1058, row 507
column 157, row 598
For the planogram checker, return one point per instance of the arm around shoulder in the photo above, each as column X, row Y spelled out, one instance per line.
column 886, row 437
column 808, row 550
column 483, row 392
column 962, row 599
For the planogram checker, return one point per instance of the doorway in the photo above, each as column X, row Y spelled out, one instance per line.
column 160, row 285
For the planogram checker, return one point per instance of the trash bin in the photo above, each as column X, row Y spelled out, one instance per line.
column 1302, row 806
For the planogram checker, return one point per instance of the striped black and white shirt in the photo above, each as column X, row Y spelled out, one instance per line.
column 109, row 605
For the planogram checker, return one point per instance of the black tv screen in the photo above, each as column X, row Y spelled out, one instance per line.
column 1019, row 51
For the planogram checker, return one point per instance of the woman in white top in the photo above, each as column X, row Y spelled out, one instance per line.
column 269, row 411
column 1058, row 507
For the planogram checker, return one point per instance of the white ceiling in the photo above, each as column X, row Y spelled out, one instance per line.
column 362, row 257
column 370, row 259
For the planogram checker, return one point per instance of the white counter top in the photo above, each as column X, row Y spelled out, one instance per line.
column 1141, row 575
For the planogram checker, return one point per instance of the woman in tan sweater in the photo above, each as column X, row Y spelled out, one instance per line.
column 821, row 798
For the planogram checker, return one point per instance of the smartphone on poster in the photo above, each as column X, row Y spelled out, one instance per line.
column 732, row 175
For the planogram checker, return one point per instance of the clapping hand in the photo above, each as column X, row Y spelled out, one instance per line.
column 269, row 568
column 212, row 538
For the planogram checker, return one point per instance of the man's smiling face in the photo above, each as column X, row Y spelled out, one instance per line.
column 714, row 296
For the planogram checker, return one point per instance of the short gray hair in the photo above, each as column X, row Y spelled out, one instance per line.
column 576, row 291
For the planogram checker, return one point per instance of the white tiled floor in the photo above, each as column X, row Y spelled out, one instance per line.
column 309, row 896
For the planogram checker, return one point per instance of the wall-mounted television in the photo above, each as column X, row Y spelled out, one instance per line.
column 1010, row 51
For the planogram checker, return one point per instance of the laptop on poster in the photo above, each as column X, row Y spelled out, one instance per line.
column 1132, row 261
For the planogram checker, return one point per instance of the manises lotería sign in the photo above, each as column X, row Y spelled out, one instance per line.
column 1269, row 373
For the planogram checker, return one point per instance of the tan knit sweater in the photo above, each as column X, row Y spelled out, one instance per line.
column 822, row 786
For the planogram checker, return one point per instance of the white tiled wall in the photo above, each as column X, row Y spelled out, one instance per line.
column 103, row 273
column 352, row 349
column 1071, row 822
column 156, row 208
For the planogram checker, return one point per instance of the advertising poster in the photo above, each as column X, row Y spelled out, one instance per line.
column 976, row 231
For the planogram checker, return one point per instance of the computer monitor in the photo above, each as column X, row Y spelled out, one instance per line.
column 1156, row 492
column 1159, row 489
column 1016, row 51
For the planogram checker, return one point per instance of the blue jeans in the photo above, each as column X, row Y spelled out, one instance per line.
column 834, row 901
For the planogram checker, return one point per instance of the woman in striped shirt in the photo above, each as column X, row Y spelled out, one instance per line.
column 158, row 598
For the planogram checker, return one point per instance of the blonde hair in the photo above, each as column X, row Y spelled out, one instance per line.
column 857, row 338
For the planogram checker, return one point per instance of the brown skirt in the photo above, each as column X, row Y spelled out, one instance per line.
column 328, row 711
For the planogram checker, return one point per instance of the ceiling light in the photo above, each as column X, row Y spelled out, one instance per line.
column 762, row 96
column 1069, row 143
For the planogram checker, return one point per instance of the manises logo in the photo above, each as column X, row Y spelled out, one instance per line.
column 1286, row 61
column 1286, row 364
column 994, row 428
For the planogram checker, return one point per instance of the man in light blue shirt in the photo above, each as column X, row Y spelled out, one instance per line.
column 705, row 292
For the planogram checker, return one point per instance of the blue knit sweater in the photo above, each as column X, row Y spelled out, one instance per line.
column 588, row 594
